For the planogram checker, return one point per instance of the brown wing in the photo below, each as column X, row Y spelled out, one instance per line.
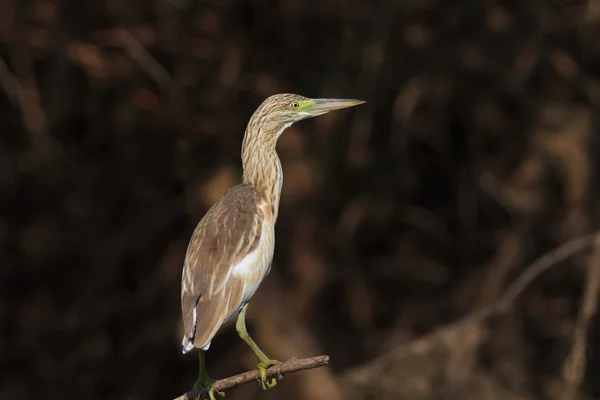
column 229, row 231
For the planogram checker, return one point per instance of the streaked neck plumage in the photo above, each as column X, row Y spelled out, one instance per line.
column 260, row 162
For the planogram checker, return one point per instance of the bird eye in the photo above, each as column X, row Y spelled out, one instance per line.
column 295, row 105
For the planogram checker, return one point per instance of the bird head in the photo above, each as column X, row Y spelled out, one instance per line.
column 279, row 111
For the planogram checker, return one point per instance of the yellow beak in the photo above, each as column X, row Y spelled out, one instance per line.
column 322, row 106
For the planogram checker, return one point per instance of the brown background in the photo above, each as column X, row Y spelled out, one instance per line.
column 476, row 152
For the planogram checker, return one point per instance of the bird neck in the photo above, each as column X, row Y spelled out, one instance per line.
column 261, row 165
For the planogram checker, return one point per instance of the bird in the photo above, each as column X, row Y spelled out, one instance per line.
column 231, row 249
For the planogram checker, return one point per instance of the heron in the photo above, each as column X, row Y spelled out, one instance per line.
column 231, row 249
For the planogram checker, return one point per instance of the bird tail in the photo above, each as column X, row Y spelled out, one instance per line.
column 202, row 317
column 201, row 323
column 188, row 307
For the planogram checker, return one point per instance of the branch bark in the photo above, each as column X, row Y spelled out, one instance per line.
column 287, row 367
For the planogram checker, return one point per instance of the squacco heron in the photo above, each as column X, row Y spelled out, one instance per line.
column 231, row 249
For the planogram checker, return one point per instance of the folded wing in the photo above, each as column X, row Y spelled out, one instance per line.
column 223, row 247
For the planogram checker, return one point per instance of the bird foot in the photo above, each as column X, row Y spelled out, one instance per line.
column 263, row 365
column 206, row 387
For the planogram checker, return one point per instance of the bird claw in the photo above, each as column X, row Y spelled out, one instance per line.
column 262, row 370
column 207, row 387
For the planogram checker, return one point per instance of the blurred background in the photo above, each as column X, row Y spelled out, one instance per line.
column 475, row 153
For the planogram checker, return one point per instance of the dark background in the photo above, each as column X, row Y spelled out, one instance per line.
column 476, row 152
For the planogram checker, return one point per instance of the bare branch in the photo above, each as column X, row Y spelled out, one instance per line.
column 531, row 273
column 149, row 64
column 541, row 265
column 574, row 366
column 288, row 367
column 9, row 83
column 25, row 95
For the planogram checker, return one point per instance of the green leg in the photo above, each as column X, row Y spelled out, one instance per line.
column 264, row 362
column 204, row 381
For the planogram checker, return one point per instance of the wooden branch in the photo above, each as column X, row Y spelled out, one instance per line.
column 541, row 265
column 531, row 273
column 149, row 64
column 287, row 367
column 575, row 363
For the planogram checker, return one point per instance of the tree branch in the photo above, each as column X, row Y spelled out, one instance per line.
column 531, row 273
column 287, row 367
column 575, row 363
column 541, row 265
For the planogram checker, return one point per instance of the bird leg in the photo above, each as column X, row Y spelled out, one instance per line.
column 204, row 381
column 264, row 362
